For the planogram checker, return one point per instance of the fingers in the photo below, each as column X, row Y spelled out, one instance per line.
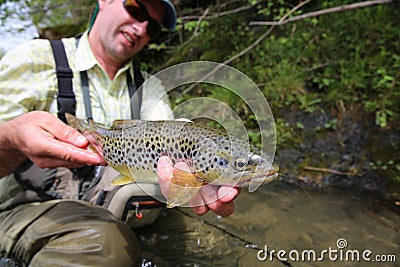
column 47, row 162
column 227, row 194
column 49, row 143
column 210, row 197
column 210, row 194
column 216, row 199
column 61, row 154
column 65, row 133
column 165, row 173
column 198, row 205
column 68, row 153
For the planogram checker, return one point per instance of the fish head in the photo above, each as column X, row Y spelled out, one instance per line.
column 238, row 164
column 243, row 170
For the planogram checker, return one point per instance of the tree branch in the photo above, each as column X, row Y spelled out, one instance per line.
column 249, row 48
column 218, row 15
column 309, row 168
column 197, row 28
column 322, row 12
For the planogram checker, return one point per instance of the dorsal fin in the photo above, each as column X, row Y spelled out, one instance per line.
column 124, row 124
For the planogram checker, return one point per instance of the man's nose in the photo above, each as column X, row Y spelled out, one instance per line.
column 140, row 28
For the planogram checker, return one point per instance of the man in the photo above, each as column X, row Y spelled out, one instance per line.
column 35, row 229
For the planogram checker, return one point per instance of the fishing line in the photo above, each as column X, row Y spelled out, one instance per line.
column 288, row 180
column 246, row 243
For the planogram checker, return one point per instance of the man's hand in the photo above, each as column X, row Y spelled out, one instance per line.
column 46, row 141
column 210, row 197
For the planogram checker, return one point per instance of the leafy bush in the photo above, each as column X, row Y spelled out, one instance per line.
column 349, row 58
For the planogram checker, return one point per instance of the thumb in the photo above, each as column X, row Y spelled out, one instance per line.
column 72, row 136
column 165, row 173
column 63, row 132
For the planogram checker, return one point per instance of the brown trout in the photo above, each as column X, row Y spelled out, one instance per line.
column 133, row 147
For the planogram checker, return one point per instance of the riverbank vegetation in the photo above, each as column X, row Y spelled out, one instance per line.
column 332, row 81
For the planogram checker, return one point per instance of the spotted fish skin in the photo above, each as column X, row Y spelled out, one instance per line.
column 133, row 147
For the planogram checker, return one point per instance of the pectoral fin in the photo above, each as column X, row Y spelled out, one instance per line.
column 122, row 180
column 184, row 185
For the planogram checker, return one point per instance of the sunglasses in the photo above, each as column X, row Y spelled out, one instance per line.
column 137, row 10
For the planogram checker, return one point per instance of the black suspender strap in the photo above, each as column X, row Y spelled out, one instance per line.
column 86, row 95
column 139, row 80
column 65, row 98
column 85, row 87
column 134, row 94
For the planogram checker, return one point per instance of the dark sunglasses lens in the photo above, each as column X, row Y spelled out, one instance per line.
column 135, row 10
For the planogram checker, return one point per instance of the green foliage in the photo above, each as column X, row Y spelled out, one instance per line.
column 191, row 26
column 286, row 83
column 390, row 168
column 61, row 18
column 320, row 61
column 275, row 10
column 325, row 65
column 286, row 135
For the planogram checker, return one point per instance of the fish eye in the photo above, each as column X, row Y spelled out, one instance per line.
column 222, row 162
column 240, row 164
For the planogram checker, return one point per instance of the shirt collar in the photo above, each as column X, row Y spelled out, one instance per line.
column 84, row 57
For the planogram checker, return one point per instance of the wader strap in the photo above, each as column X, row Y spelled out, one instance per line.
column 29, row 176
column 65, row 98
column 134, row 94
column 86, row 95
column 66, row 101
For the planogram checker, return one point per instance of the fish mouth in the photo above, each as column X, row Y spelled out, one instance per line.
column 249, row 177
column 261, row 178
column 258, row 179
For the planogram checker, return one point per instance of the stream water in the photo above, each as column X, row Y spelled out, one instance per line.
column 309, row 228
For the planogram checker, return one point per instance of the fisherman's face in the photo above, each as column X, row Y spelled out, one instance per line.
column 122, row 34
